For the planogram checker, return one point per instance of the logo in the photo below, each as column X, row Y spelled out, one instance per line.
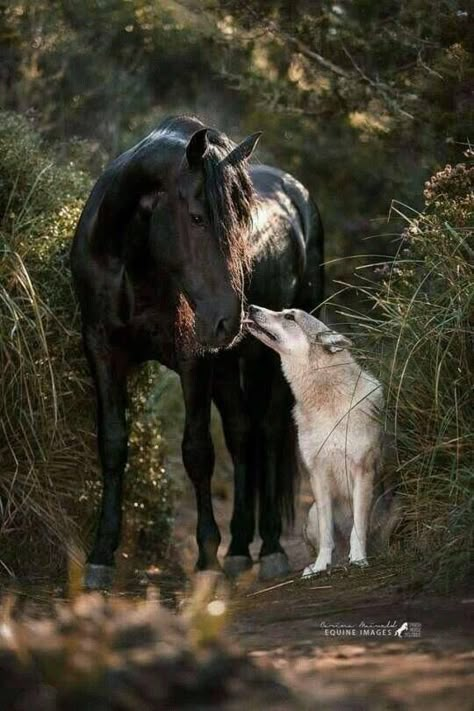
column 409, row 630
column 392, row 628
column 403, row 628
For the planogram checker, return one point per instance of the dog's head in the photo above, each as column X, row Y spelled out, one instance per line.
column 292, row 332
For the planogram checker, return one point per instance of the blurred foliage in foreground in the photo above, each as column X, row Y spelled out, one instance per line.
column 421, row 338
column 121, row 655
column 48, row 473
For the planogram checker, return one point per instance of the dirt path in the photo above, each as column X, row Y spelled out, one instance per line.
column 334, row 640
column 333, row 637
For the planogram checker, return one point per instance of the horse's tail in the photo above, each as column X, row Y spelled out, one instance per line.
column 309, row 296
column 287, row 469
column 273, row 454
column 311, row 292
column 310, row 247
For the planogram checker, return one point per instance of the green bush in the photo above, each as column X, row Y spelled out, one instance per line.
column 48, row 466
column 422, row 331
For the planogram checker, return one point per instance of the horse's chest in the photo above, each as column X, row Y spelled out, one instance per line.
column 151, row 334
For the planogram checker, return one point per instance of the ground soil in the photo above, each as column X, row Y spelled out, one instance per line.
column 332, row 637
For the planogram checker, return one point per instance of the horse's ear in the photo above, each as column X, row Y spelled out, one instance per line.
column 197, row 148
column 244, row 150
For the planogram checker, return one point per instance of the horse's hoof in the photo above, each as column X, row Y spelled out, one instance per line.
column 98, row 577
column 274, row 565
column 208, row 585
column 210, row 574
column 235, row 565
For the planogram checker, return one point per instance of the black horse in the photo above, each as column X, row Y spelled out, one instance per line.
column 178, row 233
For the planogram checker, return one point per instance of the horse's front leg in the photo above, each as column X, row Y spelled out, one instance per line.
column 229, row 398
column 109, row 371
column 272, row 406
column 198, row 455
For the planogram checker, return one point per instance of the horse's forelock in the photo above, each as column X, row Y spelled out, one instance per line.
column 230, row 197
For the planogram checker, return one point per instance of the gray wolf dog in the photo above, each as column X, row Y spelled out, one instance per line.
column 336, row 410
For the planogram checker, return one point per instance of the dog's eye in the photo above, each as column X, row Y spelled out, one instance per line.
column 197, row 220
column 289, row 317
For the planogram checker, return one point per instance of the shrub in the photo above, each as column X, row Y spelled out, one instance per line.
column 47, row 450
column 422, row 330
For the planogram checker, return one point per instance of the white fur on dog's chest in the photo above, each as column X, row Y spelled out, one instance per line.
column 318, row 433
column 326, row 446
column 332, row 433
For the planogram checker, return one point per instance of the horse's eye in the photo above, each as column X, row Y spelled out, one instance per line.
column 197, row 220
column 289, row 317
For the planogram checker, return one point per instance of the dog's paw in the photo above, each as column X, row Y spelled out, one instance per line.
column 314, row 569
column 360, row 562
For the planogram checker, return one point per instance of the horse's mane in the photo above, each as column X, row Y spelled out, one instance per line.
column 228, row 192
column 230, row 197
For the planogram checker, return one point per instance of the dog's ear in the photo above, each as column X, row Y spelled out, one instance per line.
column 333, row 342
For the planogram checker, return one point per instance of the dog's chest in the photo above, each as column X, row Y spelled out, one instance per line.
column 323, row 433
column 315, row 428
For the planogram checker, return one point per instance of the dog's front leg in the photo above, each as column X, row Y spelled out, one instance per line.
column 322, row 494
column 362, row 498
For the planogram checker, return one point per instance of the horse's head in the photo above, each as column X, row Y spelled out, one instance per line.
column 199, row 232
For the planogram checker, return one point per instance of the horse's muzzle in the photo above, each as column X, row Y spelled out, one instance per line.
column 217, row 330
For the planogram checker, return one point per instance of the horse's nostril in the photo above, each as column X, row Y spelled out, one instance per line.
column 222, row 328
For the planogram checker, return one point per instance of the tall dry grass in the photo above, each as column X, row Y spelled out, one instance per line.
column 420, row 336
column 49, row 480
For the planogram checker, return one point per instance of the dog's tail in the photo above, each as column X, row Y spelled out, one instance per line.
column 386, row 515
column 387, row 509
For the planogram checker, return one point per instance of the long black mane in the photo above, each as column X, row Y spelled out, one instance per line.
column 228, row 191
column 230, row 198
